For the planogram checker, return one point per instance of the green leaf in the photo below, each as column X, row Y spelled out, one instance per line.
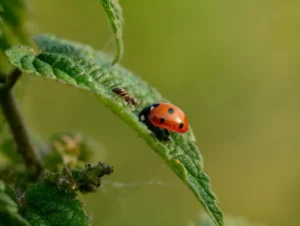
column 114, row 14
column 12, row 28
column 13, row 31
column 9, row 211
column 82, row 67
column 13, row 15
column 46, row 205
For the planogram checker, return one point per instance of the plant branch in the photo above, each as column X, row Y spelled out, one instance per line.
column 13, row 78
column 17, row 125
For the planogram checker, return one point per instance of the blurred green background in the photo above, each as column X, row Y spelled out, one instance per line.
column 232, row 66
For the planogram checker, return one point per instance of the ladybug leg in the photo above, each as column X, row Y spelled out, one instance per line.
column 159, row 134
column 143, row 117
column 156, row 132
column 167, row 137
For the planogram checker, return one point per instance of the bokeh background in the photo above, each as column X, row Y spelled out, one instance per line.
column 232, row 66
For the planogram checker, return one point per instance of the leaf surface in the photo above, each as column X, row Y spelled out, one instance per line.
column 82, row 67
column 46, row 205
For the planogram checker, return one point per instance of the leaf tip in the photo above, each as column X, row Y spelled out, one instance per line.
column 114, row 15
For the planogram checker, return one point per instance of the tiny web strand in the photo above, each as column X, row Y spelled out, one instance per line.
column 139, row 183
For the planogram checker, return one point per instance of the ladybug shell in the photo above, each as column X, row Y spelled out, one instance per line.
column 168, row 116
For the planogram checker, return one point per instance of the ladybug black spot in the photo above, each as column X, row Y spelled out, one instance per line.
column 181, row 125
column 155, row 105
column 162, row 120
column 171, row 110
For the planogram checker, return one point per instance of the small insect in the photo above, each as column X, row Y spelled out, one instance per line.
column 124, row 94
column 166, row 116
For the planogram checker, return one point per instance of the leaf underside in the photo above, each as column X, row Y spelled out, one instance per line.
column 82, row 67
column 114, row 15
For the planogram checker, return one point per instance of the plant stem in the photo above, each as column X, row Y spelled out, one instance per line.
column 20, row 132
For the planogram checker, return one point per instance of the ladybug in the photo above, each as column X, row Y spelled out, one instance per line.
column 124, row 94
column 166, row 116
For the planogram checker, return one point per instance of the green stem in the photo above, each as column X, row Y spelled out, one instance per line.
column 20, row 132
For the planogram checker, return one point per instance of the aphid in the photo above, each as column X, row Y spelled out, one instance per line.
column 124, row 94
column 166, row 116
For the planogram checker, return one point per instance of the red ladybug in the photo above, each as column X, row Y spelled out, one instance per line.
column 166, row 116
